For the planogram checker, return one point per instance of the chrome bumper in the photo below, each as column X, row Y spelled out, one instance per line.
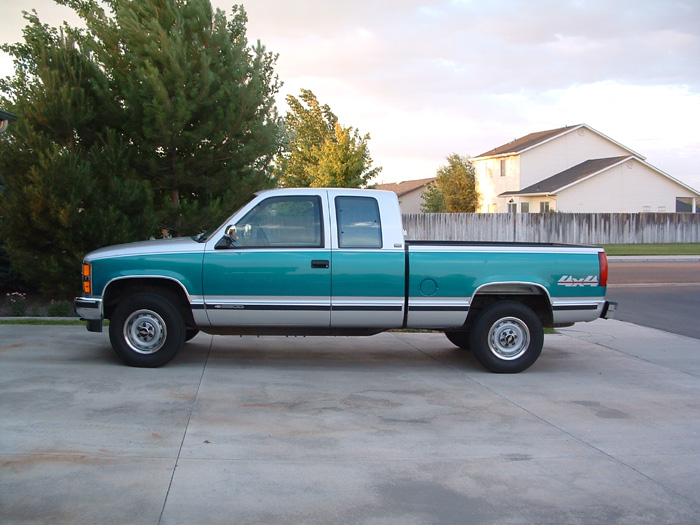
column 609, row 310
column 90, row 310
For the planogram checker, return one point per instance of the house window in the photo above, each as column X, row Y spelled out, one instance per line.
column 685, row 205
column 544, row 207
column 646, row 209
column 524, row 207
column 503, row 167
column 512, row 207
column 662, row 209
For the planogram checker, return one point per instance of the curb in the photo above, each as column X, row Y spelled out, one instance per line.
column 653, row 258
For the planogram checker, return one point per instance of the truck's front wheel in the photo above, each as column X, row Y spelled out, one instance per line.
column 507, row 337
column 146, row 330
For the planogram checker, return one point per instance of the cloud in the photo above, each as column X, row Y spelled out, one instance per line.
column 440, row 55
column 502, row 46
column 430, row 77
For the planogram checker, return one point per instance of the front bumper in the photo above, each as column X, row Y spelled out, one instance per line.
column 90, row 310
column 609, row 310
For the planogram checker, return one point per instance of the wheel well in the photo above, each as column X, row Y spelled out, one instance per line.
column 171, row 290
column 537, row 302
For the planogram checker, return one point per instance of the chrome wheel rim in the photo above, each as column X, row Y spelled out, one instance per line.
column 145, row 332
column 509, row 338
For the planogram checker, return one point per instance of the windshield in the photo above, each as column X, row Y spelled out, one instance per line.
column 204, row 236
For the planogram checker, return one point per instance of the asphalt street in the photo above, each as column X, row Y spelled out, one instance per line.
column 399, row 428
column 658, row 293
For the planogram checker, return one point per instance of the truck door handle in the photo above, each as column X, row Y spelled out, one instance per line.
column 320, row 263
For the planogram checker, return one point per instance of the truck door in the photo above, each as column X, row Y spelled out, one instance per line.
column 277, row 270
column 367, row 280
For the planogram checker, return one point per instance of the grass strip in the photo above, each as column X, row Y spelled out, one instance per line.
column 40, row 321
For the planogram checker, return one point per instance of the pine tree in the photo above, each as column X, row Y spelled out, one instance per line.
column 320, row 152
column 157, row 116
column 197, row 102
column 68, row 188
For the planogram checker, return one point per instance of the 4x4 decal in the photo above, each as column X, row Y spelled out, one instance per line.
column 570, row 280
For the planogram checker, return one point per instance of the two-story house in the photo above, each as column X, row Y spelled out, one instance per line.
column 576, row 169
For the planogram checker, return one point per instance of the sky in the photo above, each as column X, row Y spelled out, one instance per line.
column 427, row 78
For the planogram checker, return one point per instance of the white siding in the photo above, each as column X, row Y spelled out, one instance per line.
column 537, row 201
column 491, row 183
column 631, row 187
column 411, row 202
column 563, row 153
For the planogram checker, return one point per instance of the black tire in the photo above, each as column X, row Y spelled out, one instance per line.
column 146, row 330
column 190, row 333
column 459, row 338
column 507, row 337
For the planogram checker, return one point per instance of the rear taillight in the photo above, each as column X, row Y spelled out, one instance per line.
column 603, row 260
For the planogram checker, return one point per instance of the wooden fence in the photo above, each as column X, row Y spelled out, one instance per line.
column 573, row 228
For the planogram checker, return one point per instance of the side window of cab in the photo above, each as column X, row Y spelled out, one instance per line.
column 359, row 224
column 282, row 222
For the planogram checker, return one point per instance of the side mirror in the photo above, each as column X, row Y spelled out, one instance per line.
column 230, row 237
column 231, row 233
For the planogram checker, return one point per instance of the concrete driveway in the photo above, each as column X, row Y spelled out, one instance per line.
column 397, row 428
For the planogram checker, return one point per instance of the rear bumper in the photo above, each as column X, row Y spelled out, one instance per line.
column 609, row 310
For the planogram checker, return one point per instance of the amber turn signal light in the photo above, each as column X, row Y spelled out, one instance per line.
column 87, row 282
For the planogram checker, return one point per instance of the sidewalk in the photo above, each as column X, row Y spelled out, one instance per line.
column 396, row 428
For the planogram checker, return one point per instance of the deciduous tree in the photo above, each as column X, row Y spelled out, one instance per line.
column 319, row 151
column 454, row 189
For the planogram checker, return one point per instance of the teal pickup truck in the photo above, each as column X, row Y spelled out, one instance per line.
column 335, row 262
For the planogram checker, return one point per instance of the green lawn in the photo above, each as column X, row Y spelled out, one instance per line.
column 653, row 249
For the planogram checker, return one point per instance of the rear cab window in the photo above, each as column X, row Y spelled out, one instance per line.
column 359, row 223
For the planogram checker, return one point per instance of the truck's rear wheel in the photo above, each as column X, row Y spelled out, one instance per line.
column 146, row 330
column 507, row 337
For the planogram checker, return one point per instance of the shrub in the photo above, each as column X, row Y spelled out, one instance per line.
column 18, row 303
column 59, row 309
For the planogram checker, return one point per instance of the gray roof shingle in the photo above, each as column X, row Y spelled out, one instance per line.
column 528, row 141
column 565, row 178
